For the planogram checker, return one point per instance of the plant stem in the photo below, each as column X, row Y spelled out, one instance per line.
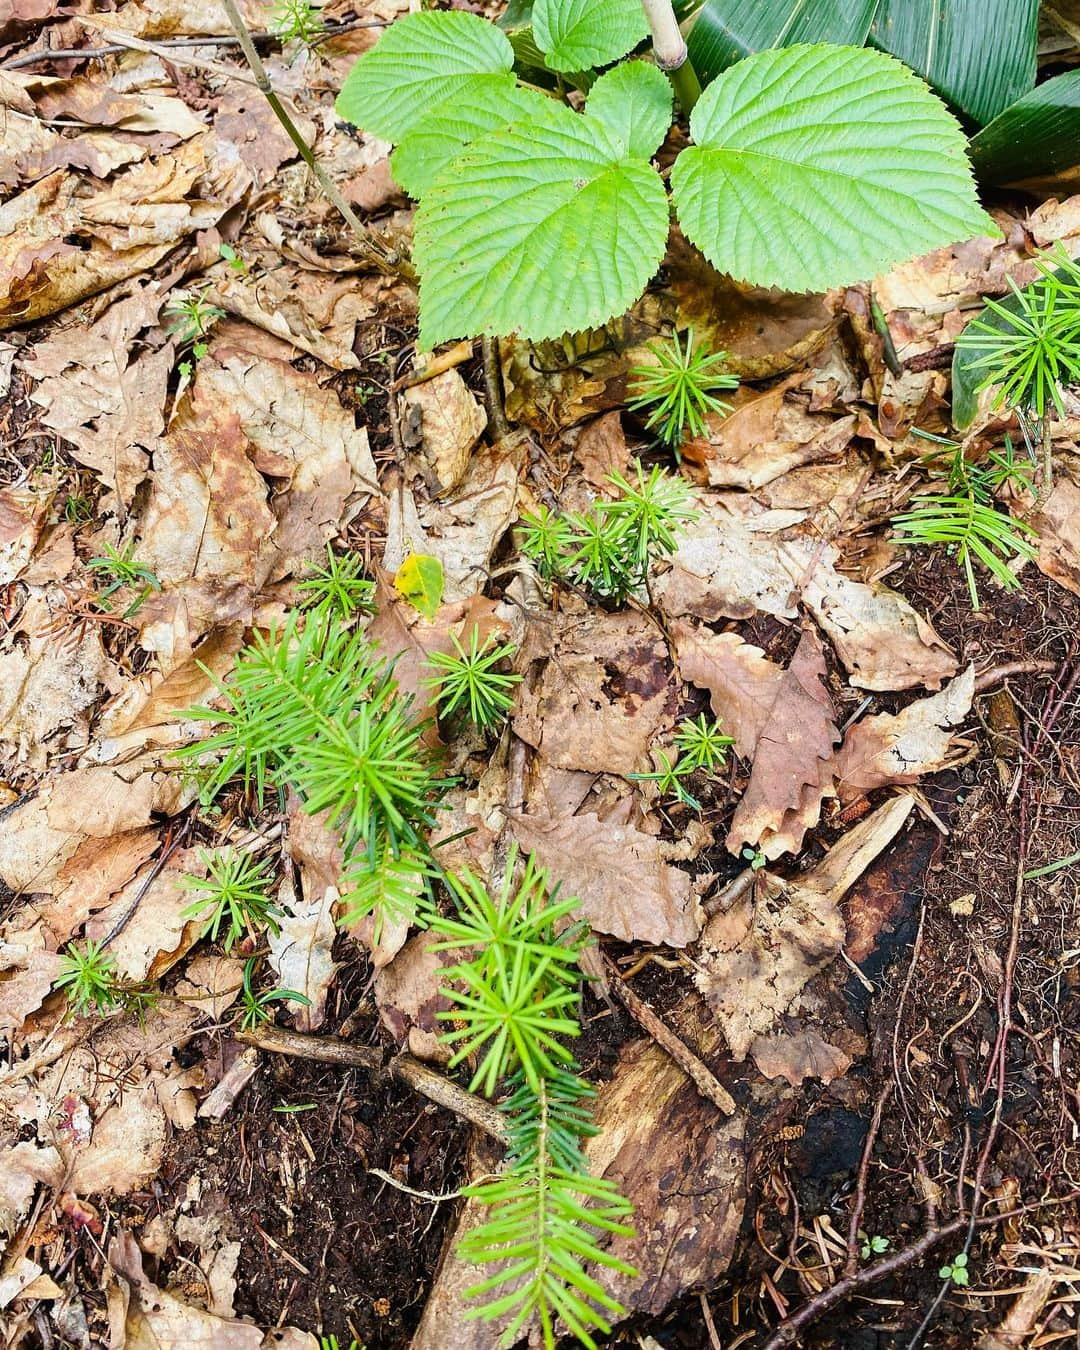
column 383, row 259
column 669, row 48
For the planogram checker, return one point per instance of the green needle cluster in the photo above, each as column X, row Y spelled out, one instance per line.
column 1030, row 348
column 234, row 896
column 469, row 680
column 678, row 391
column 516, row 997
column 610, row 548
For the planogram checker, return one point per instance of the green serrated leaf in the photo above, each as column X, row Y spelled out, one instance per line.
column 453, row 125
column 633, row 101
column 725, row 31
column 978, row 54
column 1036, row 141
column 419, row 62
column 419, row 580
column 818, row 166
column 577, row 34
column 541, row 229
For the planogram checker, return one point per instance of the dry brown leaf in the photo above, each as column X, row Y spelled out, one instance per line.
column 755, row 958
column 93, row 103
column 1058, row 524
column 882, row 641
column 622, row 876
column 742, row 682
column 301, row 953
column 450, row 422
column 156, row 936
column 730, row 563
column 205, row 522
column 188, row 684
column 211, row 983
column 84, row 884
column 62, row 239
column 796, row 1058
column 23, row 512
column 601, row 450
column 604, row 696
column 764, row 332
column 27, row 971
column 408, row 998
column 463, row 530
column 104, row 391
column 793, row 759
column 22, row 1167
column 157, row 1319
column 297, row 431
column 244, row 119
column 52, row 671
column 31, row 150
column 768, row 437
column 901, row 747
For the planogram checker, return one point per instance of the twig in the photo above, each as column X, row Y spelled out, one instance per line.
column 493, row 395
column 207, row 40
column 703, row 1078
column 669, row 48
column 171, row 845
column 429, row 1083
column 852, row 1263
column 429, row 1196
column 438, row 365
column 385, row 260
column 996, row 674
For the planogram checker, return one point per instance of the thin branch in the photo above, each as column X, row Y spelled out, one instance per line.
column 428, row 1082
column 385, row 260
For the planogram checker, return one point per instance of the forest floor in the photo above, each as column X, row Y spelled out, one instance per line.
column 887, row 1007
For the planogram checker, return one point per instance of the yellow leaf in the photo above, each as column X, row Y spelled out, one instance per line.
column 419, row 580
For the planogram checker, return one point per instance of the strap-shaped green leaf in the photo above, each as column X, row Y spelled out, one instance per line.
column 577, row 34
column 453, row 125
column 543, row 228
column 818, row 166
column 418, row 63
column 978, row 54
column 633, row 101
column 725, row 31
column 1036, row 139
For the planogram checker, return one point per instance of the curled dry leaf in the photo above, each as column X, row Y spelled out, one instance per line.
column 63, row 239
column 798, row 1057
column 743, row 683
column 156, row 935
column 1058, row 524
column 901, row 747
column 768, row 437
column 794, row 766
column 301, row 953
column 622, row 876
column 408, row 998
column 451, row 422
column 755, row 958
column 601, row 450
column 23, row 1166
column 23, row 512
column 604, row 696
column 27, row 971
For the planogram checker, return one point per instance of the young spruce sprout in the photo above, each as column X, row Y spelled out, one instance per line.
column 469, row 680
column 516, row 996
column 123, row 572
column 255, row 1007
column 680, row 389
column 701, row 743
column 233, row 897
column 89, row 979
column 668, row 779
column 338, row 587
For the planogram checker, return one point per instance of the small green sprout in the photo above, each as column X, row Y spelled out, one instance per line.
column 679, row 391
column 233, row 896
column 652, row 510
column 192, row 318
column 548, row 539
column 469, row 679
column 702, row 744
column 1036, row 354
column 296, row 20
column 255, row 1007
column 230, row 255
column 755, row 857
column 872, row 1246
column 123, row 571
column 89, row 979
column 956, row 1270
column 339, row 587
column 77, row 508
column 601, row 554
column 668, row 779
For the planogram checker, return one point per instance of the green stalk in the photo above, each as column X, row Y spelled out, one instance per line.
column 669, row 48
